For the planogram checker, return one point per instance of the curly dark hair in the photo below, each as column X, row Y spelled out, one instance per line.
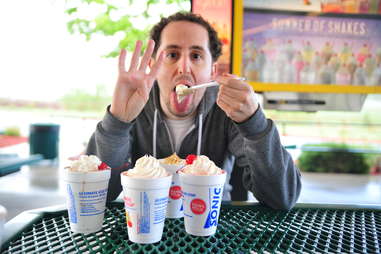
column 215, row 45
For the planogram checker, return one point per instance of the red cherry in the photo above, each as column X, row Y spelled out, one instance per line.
column 190, row 158
column 103, row 166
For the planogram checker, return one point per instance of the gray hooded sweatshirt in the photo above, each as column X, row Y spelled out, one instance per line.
column 252, row 146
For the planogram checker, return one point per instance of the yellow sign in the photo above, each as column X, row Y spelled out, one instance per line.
column 279, row 51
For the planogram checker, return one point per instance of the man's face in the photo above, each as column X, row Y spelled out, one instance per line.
column 188, row 61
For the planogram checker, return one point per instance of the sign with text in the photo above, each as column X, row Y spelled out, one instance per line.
column 301, row 49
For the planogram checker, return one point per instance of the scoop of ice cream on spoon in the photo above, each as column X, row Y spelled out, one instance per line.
column 182, row 91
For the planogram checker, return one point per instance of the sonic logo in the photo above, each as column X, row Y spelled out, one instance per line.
column 198, row 206
column 211, row 220
column 175, row 192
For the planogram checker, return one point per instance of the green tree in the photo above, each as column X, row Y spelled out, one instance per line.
column 128, row 21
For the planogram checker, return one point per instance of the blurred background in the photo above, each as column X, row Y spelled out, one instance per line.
column 58, row 67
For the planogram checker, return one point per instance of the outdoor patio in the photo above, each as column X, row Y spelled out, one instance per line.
column 39, row 185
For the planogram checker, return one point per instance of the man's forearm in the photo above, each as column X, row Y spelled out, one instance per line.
column 271, row 175
column 269, row 171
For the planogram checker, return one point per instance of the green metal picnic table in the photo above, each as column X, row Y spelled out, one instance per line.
column 244, row 227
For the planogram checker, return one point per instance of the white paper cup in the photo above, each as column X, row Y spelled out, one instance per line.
column 175, row 201
column 145, row 201
column 202, row 197
column 3, row 214
column 86, row 195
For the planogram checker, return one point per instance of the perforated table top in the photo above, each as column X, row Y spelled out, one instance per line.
column 243, row 228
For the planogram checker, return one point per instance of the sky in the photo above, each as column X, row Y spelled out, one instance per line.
column 40, row 60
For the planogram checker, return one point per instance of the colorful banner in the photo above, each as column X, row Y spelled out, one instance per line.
column 335, row 6
column 219, row 14
column 296, row 49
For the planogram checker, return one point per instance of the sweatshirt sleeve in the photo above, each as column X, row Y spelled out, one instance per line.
column 269, row 171
column 111, row 142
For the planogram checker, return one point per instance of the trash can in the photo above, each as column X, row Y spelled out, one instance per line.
column 44, row 139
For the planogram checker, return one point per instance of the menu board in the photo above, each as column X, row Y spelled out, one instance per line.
column 331, row 6
column 219, row 14
column 292, row 48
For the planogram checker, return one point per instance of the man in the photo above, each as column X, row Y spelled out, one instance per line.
column 225, row 123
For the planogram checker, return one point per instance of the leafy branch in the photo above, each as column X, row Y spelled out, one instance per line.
column 108, row 20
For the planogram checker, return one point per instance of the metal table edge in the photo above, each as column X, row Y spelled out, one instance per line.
column 338, row 206
column 26, row 219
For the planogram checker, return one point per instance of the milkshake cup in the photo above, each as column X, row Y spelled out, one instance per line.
column 175, row 203
column 145, row 200
column 202, row 195
column 3, row 214
column 86, row 193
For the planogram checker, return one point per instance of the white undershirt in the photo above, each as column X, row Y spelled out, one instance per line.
column 179, row 129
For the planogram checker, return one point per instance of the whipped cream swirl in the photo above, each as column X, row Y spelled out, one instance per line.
column 202, row 166
column 85, row 163
column 147, row 167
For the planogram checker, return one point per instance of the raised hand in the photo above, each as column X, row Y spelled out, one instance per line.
column 236, row 98
column 132, row 88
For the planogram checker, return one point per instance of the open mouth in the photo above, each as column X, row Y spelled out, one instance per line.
column 181, row 96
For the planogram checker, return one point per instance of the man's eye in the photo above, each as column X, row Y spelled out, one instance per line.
column 196, row 56
column 172, row 55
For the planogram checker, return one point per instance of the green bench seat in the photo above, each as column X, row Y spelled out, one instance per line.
column 10, row 163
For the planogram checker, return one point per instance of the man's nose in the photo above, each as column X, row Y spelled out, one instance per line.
column 184, row 65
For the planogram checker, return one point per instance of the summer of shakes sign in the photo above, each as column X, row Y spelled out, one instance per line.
column 282, row 48
column 219, row 14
